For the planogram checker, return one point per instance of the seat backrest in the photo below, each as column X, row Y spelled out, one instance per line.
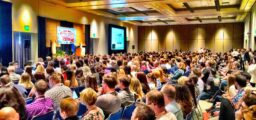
column 128, row 111
column 29, row 100
column 82, row 109
column 116, row 116
column 48, row 116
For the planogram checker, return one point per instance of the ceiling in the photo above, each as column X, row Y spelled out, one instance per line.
column 164, row 12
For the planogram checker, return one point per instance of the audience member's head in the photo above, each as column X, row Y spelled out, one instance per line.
column 124, row 82
column 240, row 81
column 68, row 107
column 8, row 113
column 10, row 97
column 5, row 80
column 91, row 82
column 136, row 88
column 143, row 112
column 155, row 100
column 54, row 79
column 169, row 93
column 109, row 83
column 88, row 96
column 41, row 87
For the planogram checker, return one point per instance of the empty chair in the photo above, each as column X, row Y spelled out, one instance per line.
column 48, row 116
column 127, row 113
column 116, row 116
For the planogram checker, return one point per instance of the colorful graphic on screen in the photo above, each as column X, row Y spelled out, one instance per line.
column 117, row 42
column 66, row 35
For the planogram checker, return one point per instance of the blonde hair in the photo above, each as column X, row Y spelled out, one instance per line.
column 136, row 87
column 69, row 105
column 40, row 69
column 88, row 96
column 182, row 80
column 25, row 80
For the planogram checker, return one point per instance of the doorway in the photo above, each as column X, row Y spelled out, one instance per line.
column 22, row 48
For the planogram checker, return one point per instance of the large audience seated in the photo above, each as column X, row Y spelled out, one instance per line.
column 162, row 85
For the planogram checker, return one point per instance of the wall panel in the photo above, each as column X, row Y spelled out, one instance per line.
column 216, row 37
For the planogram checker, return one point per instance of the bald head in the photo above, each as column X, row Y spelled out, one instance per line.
column 8, row 113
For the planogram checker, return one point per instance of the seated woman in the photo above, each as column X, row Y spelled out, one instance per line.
column 10, row 97
column 25, row 81
column 136, row 88
column 88, row 97
column 71, row 79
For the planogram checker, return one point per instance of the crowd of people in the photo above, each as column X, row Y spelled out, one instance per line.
column 163, row 85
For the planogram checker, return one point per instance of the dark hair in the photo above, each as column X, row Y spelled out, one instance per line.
column 127, row 70
column 246, row 75
column 143, row 80
column 156, row 97
column 241, row 80
column 125, row 81
column 92, row 82
column 110, row 81
column 10, row 97
column 49, row 70
column 184, row 98
column 39, row 76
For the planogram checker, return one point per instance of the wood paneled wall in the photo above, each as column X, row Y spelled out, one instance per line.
column 216, row 37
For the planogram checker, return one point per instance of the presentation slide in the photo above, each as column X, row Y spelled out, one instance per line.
column 118, row 38
column 66, row 35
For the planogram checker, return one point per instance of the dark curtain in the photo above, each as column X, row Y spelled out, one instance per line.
column 43, row 51
column 5, row 32
column 89, row 46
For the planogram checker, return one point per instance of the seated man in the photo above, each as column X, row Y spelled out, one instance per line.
column 169, row 93
column 41, row 105
column 13, row 76
column 125, row 94
column 8, row 113
column 69, row 109
column 109, row 101
column 155, row 100
column 143, row 112
column 58, row 90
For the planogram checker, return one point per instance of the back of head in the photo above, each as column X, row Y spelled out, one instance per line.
column 69, row 106
column 8, row 113
column 25, row 78
column 143, row 112
column 11, row 97
column 169, row 91
column 88, row 96
column 41, row 87
column 56, row 78
column 241, row 80
column 155, row 97
column 4, row 80
column 110, row 81
column 182, row 80
column 125, row 81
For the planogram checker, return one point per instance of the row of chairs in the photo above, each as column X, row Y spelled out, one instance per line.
column 124, row 113
column 55, row 115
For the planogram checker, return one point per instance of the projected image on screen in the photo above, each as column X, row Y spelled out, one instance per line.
column 117, row 41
